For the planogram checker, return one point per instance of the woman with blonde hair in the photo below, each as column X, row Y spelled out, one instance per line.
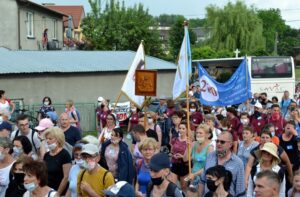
column 72, row 113
column 58, row 160
column 268, row 160
column 148, row 147
column 200, row 149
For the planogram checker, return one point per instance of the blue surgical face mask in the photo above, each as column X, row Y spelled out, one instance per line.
column 30, row 186
column 1, row 156
column 17, row 151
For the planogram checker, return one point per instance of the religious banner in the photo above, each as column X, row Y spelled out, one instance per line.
column 234, row 91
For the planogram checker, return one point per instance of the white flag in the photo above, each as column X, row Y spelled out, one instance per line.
column 128, row 87
column 184, row 67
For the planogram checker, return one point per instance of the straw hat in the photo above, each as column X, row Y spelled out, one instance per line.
column 270, row 148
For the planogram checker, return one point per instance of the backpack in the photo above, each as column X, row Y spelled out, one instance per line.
column 78, row 115
column 68, row 147
column 32, row 134
column 103, row 180
column 165, row 139
column 280, row 173
column 170, row 189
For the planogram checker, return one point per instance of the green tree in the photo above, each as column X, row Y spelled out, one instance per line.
column 121, row 28
column 176, row 36
column 272, row 24
column 167, row 19
column 287, row 41
column 204, row 52
column 235, row 26
column 197, row 22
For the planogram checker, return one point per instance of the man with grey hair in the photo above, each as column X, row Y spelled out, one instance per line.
column 223, row 156
column 267, row 184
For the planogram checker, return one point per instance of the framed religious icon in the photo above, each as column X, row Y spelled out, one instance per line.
column 145, row 82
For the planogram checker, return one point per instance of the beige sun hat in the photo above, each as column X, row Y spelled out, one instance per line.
column 270, row 148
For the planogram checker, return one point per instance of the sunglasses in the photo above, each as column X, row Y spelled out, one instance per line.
column 221, row 141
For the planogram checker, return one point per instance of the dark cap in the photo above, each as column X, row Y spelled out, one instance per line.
column 121, row 188
column 159, row 161
column 5, row 125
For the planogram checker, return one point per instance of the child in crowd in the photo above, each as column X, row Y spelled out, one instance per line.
column 295, row 190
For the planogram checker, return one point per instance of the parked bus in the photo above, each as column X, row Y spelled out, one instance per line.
column 272, row 75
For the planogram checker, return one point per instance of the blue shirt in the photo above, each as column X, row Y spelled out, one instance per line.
column 235, row 166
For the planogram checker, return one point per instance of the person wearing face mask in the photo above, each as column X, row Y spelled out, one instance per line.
column 115, row 153
column 244, row 119
column 152, row 125
column 196, row 116
column 133, row 117
column 277, row 120
column 75, row 169
column 16, row 178
column 36, row 180
column 223, row 156
column 58, row 160
column 245, row 107
column 93, row 178
column 159, row 171
column 6, row 162
column 218, row 181
column 200, row 149
column 258, row 119
column 22, row 147
column 46, row 107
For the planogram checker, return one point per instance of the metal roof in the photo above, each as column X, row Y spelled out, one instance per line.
column 14, row 62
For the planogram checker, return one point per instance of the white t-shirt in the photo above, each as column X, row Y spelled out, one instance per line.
column 4, row 179
column 74, row 171
column 51, row 193
column 36, row 139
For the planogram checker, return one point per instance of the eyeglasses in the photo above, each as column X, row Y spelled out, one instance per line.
column 24, row 125
column 221, row 141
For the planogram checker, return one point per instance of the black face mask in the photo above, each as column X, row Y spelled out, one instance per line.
column 102, row 106
column 157, row 181
column 19, row 177
column 211, row 185
column 257, row 114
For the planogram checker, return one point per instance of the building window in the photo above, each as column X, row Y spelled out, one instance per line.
column 54, row 28
column 30, row 24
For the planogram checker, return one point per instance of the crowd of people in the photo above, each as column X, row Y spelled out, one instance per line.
column 247, row 150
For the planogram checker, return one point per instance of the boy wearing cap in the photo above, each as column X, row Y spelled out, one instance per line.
column 93, row 179
column 258, row 119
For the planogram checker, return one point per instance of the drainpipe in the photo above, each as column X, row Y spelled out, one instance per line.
column 19, row 29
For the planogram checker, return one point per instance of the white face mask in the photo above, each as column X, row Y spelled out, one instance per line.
column 244, row 121
column 192, row 110
column 150, row 120
column 46, row 103
column 52, row 146
column 200, row 139
column 1, row 156
column 1, row 119
column 273, row 133
column 17, row 151
column 133, row 109
column 79, row 162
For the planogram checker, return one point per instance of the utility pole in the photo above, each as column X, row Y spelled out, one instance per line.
column 275, row 44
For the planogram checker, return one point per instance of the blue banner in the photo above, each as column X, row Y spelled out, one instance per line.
column 234, row 91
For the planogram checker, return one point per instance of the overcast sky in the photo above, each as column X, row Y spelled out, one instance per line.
column 290, row 9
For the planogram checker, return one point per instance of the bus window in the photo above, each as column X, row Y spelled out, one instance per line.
column 271, row 67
